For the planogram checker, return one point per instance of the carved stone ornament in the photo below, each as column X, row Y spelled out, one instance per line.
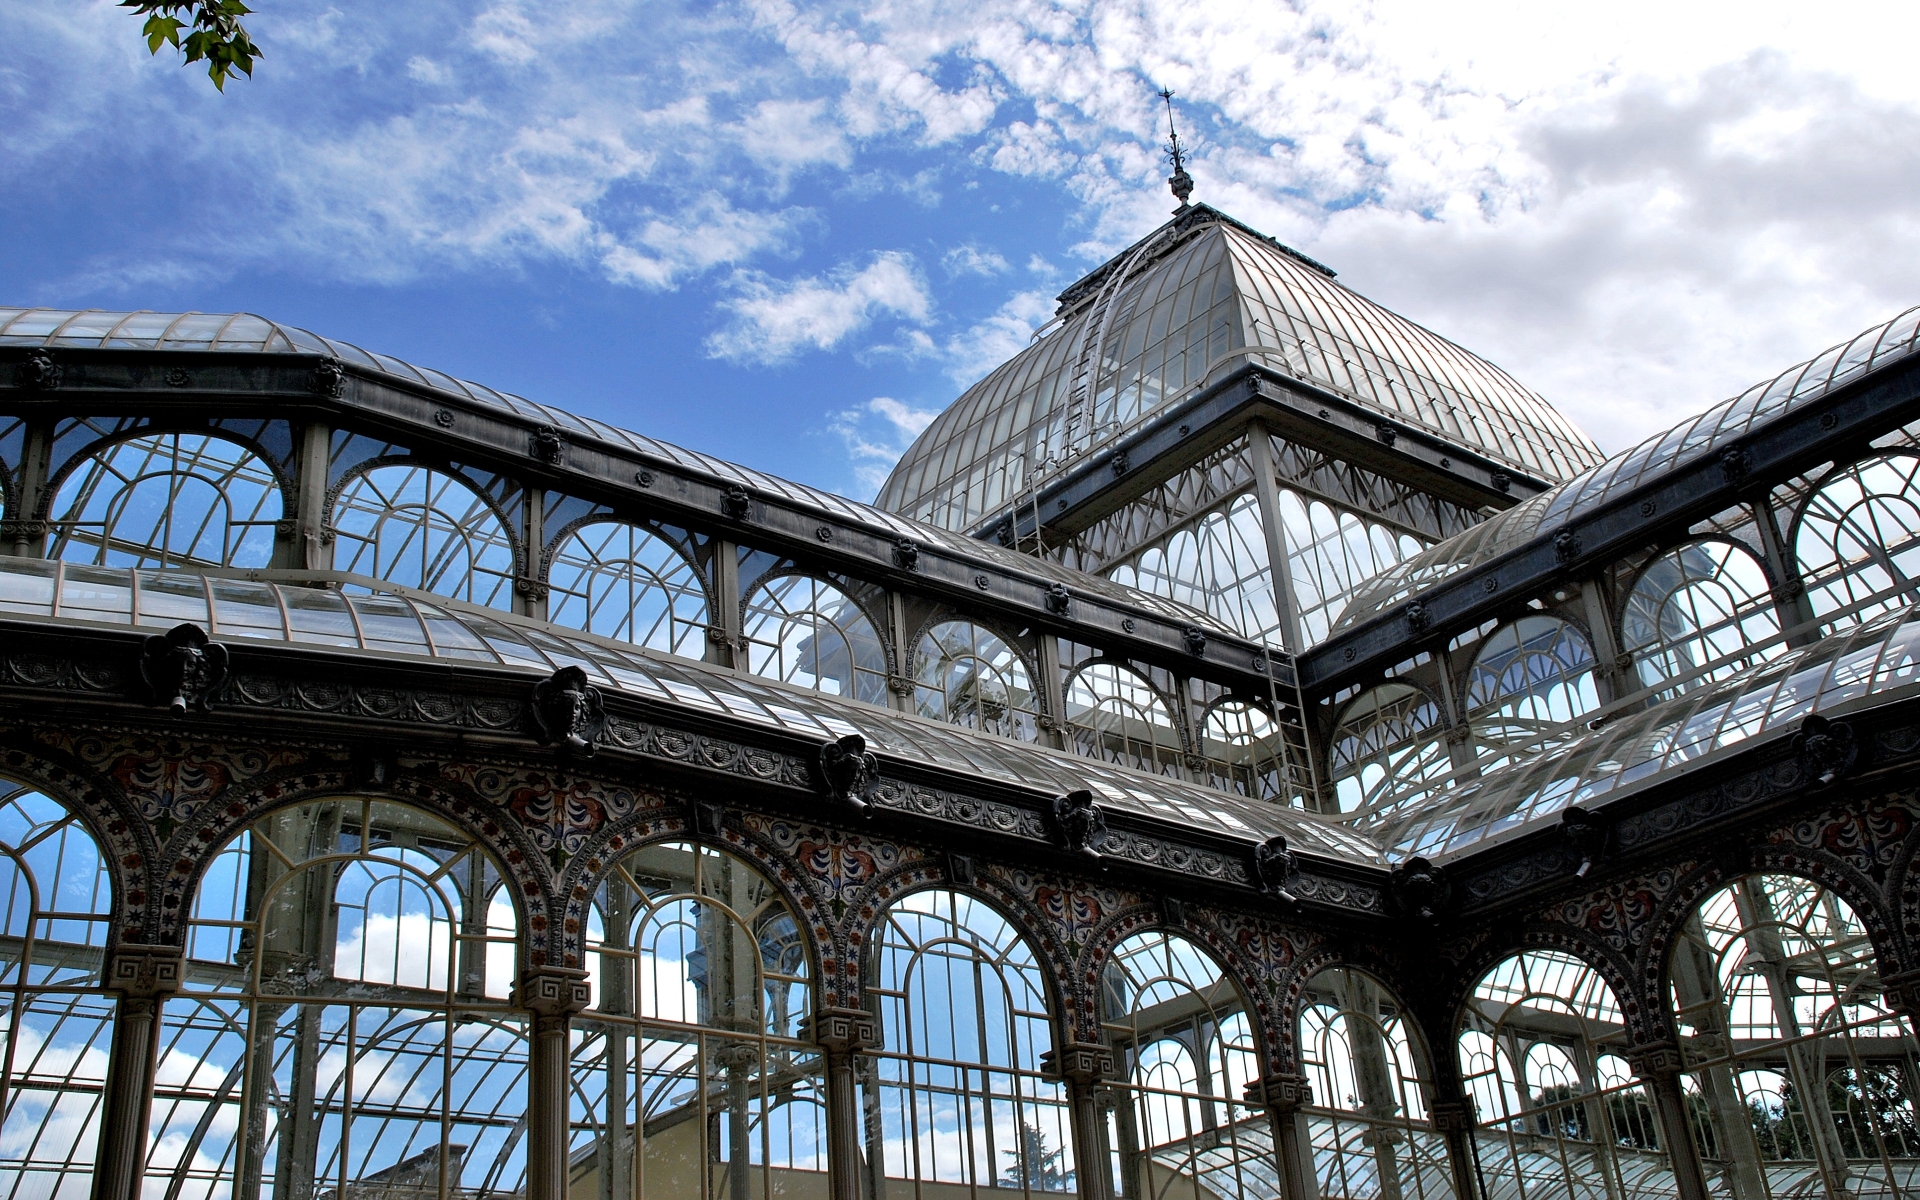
column 1280, row 1093
column 178, row 377
column 547, row 446
column 1386, row 434
column 1421, row 888
column 1079, row 823
column 848, row 771
column 1502, row 482
column 1003, row 533
column 960, row 870
column 548, row 991
column 374, row 767
column 900, row 685
column 1659, row 1058
column 144, row 971
column 1120, row 462
column 1196, row 640
column 569, row 712
column 1419, row 616
column 843, row 1030
column 182, row 669
column 1585, row 835
column 1828, row 747
column 1078, row 1062
column 1452, row 1116
column 1733, row 463
column 735, row 502
column 329, row 379
column 1274, row 866
column 1566, row 546
column 1059, row 600
column 39, row 372
column 906, row 555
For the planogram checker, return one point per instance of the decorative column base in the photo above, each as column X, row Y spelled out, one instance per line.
column 843, row 1034
column 1659, row 1066
column 1283, row 1095
column 1454, row 1121
column 144, row 976
column 1086, row 1067
column 552, row 996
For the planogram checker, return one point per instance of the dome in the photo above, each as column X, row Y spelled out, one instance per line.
column 1196, row 299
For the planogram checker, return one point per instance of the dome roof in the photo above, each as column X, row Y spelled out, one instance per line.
column 1196, row 299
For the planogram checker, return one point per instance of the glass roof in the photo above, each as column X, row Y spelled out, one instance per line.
column 1765, row 401
column 390, row 623
column 229, row 332
column 1880, row 658
column 1210, row 296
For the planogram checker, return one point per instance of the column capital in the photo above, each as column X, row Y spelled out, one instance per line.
column 843, row 1030
column 1901, row 990
column 549, row 991
column 1656, row 1058
column 1280, row 1092
column 1078, row 1062
column 1453, row 1116
column 145, row 972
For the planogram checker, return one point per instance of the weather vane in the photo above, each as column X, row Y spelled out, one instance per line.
column 1180, row 181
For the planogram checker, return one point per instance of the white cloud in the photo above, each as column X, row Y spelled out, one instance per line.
column 770, row 320
column 989, row 343
column 970, row 259
column 876, row 434
column 783, row 135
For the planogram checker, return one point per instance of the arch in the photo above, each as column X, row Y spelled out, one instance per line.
column 345, row 1018
column 807, row 631
column 58, row 1026
column 1389, row 742
column 1857, row 538
column 1244, row 751
column 1115, row 714
column 1804, row 1075
column 966, row 674
column 1217, row 564
column 1183, row 1039
column 1694, row 605
column 1331, row 553
column 167, row 500
column 964, row 1013
column 423, row 527
column 691, row 1072
column 1542, row 1046
column 1370, row 1076
column 623, row 581
column 1529, row 676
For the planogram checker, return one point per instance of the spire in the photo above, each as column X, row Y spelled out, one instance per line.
column 1179, row 181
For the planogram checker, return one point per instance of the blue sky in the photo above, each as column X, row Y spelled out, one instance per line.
column 787, row 233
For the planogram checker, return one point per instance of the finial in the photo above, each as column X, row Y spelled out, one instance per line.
column 1179, row 181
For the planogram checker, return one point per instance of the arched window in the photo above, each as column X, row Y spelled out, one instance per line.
column 964, row 673
column 1330, row 553
column 1858, row 539
column 1562, row 1117
column 956, row 1095
column 168, row 500
column 1113, row 713
column 343, row 1028
column 1697, row 605
column 58, row 1024
column 1529, row 676
column 417, row 527
column 1803, row 1079
column 620, row 581
column 1371, row 1133
column 1184, row 1044
column 1388, row 746
column 690, row 1077
column 808, row 632
column 1244, row 752
column 1217, row 565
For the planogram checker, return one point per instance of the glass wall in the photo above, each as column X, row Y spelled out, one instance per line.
column 1693, row 613
column 966, row 674
column 1217, row 565
column 1389, row 741
column 167, row 500
column 807, row 631
column 1529, row 676
column 343, row 1027
column 622, row 581
column 690, row 1078
column 1114, row 714
column 1245, row 752
column 421, row 528
column 1858, row 539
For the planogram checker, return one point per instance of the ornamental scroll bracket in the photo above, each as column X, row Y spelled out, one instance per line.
column 551, row 992
column 848, row 771
column 182, row 669
column 569, row 712
column 1280, row 1093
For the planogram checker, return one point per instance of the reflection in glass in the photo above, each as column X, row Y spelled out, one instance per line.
column 965, row 674
column 1114, row 714
column 1368, row 1119
column 58, row 1024
column 1388, row 744
column 1803, row 1077
column 1244, row 751
column 1530, row 676
column 956, row 1096
column 168, row 500
column 808, row 632
column 689, row 1075
column 621, row 581
column 1858, row 539
column 343, row 1029
column 1217, row 565
column 1696, row 605
column 1330, row 554
column 1184, row 1045
column 417, row 527
column 1561, row 1114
